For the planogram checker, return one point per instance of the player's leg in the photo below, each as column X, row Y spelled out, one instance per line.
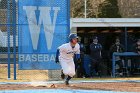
column 65, row 68
column 96, row 68
column 62, row 71
column 67, row 79
column 71, row 68
column 99, row 68
column 91, row 68
column 62, row 75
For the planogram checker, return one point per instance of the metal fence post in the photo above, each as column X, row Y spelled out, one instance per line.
column 126, row 39
column 8, row 35
column 14, row 36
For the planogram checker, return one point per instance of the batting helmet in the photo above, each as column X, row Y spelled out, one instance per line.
column 72, row 36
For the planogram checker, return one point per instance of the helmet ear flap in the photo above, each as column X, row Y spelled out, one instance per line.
column 70, row 40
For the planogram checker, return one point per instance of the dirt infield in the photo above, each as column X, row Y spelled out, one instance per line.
column 116, row 86
column 41, row 75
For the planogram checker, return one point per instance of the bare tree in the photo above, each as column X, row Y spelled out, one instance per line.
column 129, row 8
column 77, row 8
column 126, row 8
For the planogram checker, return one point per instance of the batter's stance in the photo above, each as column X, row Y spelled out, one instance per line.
column 65, row 54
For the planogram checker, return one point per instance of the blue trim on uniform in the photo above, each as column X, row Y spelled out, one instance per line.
column 77, row 56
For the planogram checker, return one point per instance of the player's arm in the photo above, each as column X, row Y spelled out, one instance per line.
column 59, row 50
column 57, row 56
column 100, row 47
column 77, row 54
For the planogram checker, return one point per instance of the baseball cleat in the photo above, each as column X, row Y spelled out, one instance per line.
column 66, row 82
column 62, row 76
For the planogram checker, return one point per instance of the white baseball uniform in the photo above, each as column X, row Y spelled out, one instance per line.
column 66, row 58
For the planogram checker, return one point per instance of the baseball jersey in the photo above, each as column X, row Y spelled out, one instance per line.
column 95, row 50
column 67, row 52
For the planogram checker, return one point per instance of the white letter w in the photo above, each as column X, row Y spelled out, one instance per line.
column 45, row 19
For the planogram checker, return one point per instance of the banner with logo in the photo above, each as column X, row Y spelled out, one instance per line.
column 43, row 25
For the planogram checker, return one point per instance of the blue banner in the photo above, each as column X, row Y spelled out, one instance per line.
column 43, row 26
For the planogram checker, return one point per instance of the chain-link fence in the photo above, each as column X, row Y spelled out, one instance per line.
column 9, row 34
column 7, row 38
column 9, row 48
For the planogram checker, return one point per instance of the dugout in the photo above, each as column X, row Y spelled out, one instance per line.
column 128, row 30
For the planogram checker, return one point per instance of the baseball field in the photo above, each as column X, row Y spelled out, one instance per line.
column 28, row 80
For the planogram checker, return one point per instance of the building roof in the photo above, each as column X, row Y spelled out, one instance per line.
column 105, row 22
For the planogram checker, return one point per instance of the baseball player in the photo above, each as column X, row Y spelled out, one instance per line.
column 65, row 54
